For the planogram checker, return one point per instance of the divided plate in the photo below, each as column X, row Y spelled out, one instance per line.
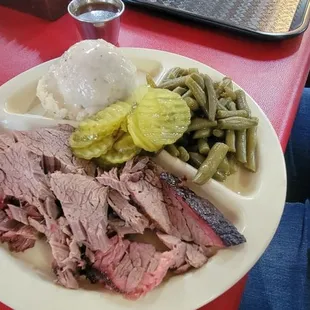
column 253, row 202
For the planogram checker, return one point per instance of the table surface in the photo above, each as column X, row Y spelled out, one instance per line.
column 273, row 73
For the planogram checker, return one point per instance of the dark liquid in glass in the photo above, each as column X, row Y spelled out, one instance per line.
column 97, row 12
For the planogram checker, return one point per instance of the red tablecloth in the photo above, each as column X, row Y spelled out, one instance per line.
column 274, row 73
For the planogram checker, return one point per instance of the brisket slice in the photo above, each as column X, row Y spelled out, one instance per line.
column 53, row 145
column 18, row 236
column 84, row 203
column 138, row 182
column 133, row 168
column 24, row 181
column 111, row 179
column 186, row 254
column 150, row 199
column 130, row 268
column 120, row 227
column 6, row 140
column 207, row 225
column 21, row 175
column 127, row 212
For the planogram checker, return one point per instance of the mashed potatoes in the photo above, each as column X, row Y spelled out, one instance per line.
column 88, row 77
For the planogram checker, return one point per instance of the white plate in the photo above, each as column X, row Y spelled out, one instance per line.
column 253, row 202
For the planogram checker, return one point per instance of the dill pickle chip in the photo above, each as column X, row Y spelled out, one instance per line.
column 124, row 125
column 137, row 136
column 96, row 149
column 123, row 150
column 162, row 116
column 105, row 122
column 81, row 140
column 100, row 125
column 124, row 144
column 115, row 157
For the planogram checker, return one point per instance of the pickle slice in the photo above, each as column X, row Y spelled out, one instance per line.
column 124, row 144
column 162, row 116
column 138, row 138
column 100, row 125
column 115, row 157
column 106, row 121
column 96, row 149
column 123, row 150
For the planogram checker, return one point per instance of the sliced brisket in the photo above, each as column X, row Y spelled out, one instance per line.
column 120, row 227
column 53, row 145
column 127, row 212
column 111, row 179
column 132, row 269
column 84, row 203
column 186, row 253
column 6, row 140
column 18, row 236
column 21, row 175
column 207, row 224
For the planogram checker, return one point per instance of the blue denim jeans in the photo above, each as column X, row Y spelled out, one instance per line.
column 280, row 279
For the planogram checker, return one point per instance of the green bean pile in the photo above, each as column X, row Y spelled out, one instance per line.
column 222, row 133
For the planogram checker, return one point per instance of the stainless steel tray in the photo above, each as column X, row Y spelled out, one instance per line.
column 269, row 19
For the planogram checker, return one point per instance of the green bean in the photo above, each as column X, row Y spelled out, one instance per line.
column 173, row 83
column 200, row 123
column 230, row 140
column 228, row 93
column 203, row 147
column 187, row 94
column 232, row 163
column 220, row 107
column 198, row 94
column 180, row 90
column 224, row 166
column 231, row 106
column 226, row 114
column 241, row 146
column 184, row 156
column 198, row 79
column 241, row 101
column 175, row 73
column 219, row 90
column 218, row 133
column 237, row 123
column 202, row 133
column 251, row 143
column 192, row 103
column 166, row 76
column 219, row 176
column 185, row 72
column 211, row 163
column 196, row 159
column 150, row 81
column 222, row 103
column 216, row 85
column 227, row 81
column 193, row 70
column 212, row 99
column 172, row 150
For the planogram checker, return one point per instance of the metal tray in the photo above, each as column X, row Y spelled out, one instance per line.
column 267, row 19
